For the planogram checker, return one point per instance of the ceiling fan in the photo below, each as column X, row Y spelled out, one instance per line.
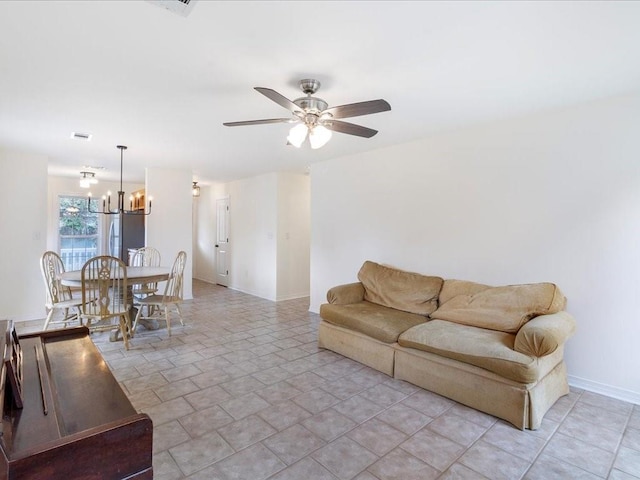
column 313, row 117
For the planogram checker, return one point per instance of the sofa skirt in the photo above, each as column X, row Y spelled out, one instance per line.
column 523, row 405
column 357, row 346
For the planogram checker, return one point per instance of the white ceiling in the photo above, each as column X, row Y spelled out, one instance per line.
column 132, row 73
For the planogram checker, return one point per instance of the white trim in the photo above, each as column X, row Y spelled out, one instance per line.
column 249, row 292
column 292, row 296
column 279, row 299
column 608, row 390
column 206, row 280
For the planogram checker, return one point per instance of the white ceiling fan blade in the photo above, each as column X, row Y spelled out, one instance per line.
column 279, row 99
column 260, row 122
column 349, row 128
column 357, row 109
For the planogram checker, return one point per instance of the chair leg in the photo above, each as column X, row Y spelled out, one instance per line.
column 168, row 320
column 73, row 316
column 48, row 319
column 79, row 316
column 135, row 322
column 123, row 330
column 180, row 314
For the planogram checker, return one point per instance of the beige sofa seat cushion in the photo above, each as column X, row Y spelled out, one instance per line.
column 393, row 288
column 382, row 323
column 488, row 349
column 504, row 309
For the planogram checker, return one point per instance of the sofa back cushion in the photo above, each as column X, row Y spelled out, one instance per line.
column 393, row 288
column 504, row 309
column 453, row 288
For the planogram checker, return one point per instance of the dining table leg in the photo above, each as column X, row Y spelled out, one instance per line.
column 148, row 323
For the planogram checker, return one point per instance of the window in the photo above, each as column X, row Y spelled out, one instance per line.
column 78, row 231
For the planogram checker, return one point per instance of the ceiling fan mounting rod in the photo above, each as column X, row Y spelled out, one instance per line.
column 309, row 85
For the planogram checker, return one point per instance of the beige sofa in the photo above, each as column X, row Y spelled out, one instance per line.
column 496, row 349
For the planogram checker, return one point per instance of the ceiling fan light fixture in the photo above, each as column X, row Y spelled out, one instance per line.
column 319, row 136
column 297, row 135
column 316, row 119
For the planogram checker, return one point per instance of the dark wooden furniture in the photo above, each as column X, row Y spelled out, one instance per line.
column 76, row 422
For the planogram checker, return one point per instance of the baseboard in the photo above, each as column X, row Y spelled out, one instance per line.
column 603, row 389
column 248, row 292
column 29, row 317
column 278, row 299
column 292, row 296
column 206, row 280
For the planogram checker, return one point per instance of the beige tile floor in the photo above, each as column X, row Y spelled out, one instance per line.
column 243, row 392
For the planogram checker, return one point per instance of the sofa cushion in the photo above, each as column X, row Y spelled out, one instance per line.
column 453, row 288
column 504, row 309
column 382, row 323
column 393, row 288
column 488, row 349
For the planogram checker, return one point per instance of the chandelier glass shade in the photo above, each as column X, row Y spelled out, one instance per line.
column 195, row 189
column 136, row 204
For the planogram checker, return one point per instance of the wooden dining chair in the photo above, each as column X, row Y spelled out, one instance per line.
column 58, row 296
column 172, row 296
column 144, row 257
column 104, row 295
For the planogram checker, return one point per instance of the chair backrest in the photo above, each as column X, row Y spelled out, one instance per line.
column 104, row 287
column 52, row 267
column 174, row 287
column 146, row 257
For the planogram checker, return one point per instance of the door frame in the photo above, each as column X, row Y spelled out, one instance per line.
column 222, row 242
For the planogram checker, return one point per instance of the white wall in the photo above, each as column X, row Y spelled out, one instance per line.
column 269, row 235
column 551, row 197
column 294, row 224
column 169, row 228
column 23, row 223
column 253, row 230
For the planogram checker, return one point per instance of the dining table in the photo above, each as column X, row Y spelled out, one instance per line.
column 135, row 276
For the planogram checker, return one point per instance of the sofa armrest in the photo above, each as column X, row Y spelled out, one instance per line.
column 543, row 335
column 345, row 294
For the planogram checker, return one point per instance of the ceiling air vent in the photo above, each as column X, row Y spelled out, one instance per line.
column 181, row 7
column 81, row 136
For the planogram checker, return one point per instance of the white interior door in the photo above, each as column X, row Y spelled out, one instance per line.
column 222, row 241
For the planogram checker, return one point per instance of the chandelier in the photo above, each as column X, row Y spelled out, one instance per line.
column 136, row 204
